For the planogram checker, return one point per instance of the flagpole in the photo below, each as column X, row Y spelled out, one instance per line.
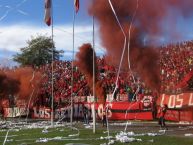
column 94, row 115
column 52, row 104
column 72, row 78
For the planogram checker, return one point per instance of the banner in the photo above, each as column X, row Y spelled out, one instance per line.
column 178, row 101
column 14, row 112
column 125, row 111
column 60, row 113
column 183, row 82
column 179, row 115
column 180, row 106
column 42, row 112
column 115, row 111
column 119, row 97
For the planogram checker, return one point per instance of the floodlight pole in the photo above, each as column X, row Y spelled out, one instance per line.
column 94, row 114
column 72, row 78
column 52, row 95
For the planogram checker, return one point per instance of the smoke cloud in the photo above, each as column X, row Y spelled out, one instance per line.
column 19, row 82
column 8, row 85
column 84, row 61
column 149, row 21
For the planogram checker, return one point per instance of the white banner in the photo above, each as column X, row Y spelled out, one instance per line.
column 15, row 112
column 59, row 113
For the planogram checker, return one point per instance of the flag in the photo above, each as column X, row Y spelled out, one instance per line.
column 47, row 17
column 76, row 4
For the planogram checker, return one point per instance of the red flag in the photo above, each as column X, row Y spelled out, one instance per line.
column 47, row 17
column 76, row 4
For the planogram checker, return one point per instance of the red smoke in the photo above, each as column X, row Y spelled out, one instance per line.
column 8, row 85
column 148, row 21
column 20, row 81
column 84, row 61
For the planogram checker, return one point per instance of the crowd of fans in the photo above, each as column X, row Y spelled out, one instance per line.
column 176, row 61
column 62, row 83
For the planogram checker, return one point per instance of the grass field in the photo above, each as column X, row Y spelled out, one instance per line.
column 64, row 135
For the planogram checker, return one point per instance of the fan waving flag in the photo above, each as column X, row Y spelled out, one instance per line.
column 76, row 4
column 47, row 17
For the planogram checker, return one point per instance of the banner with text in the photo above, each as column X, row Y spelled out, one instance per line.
column 180, row 106
column 15, row 112
column 116, row 111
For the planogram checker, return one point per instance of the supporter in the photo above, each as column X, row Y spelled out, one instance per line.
column 161, row 114
column 104, row 118
column 85, row 115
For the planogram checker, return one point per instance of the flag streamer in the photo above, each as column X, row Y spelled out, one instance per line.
column 129, row 38
column 124, row 47
column 47, row 17
column 77, row 5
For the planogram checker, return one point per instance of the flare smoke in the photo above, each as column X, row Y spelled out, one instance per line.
column 8, row 85
column 148, row 21
column 84, row 61
column 19, row 82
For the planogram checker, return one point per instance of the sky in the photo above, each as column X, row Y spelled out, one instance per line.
column 21, row 19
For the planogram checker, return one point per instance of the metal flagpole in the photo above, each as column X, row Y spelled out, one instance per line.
column 52, row 104
column 94, row 114
column 72, row 78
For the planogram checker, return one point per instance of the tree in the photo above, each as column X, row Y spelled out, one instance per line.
column 38, row 52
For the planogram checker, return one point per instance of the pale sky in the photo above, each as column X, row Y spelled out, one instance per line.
column 21, row 19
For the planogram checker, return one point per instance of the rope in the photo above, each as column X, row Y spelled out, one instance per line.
column 129, row 38
column 129, row 63
column 6, row 136
column 124, row 47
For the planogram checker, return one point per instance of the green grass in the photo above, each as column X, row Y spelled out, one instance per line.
column 29, row 136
